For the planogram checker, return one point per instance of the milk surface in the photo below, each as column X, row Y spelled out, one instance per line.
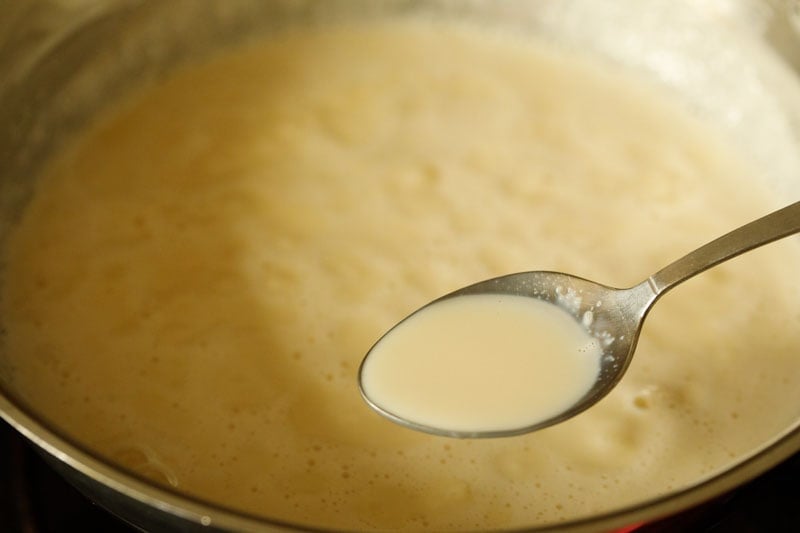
column 196, row 280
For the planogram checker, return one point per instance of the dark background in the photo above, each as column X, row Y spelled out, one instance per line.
column 34, row 499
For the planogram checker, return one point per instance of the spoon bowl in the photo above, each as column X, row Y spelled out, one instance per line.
column 614, row 317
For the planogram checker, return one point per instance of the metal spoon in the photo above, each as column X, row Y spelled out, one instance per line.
column 614, row 316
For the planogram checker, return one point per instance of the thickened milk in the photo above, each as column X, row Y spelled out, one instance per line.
column 196, row 279
column 481, row 363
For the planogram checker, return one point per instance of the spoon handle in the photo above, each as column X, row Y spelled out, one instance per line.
column 764, row 230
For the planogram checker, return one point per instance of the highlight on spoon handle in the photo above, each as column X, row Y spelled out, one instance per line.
column 776, row 225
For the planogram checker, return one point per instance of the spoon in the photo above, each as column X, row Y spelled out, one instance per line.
column 614, row 317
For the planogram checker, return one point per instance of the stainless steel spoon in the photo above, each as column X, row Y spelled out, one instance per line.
column 614, row 316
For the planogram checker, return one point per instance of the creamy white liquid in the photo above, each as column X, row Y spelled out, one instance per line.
column 478, row 363
column 195, row 281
